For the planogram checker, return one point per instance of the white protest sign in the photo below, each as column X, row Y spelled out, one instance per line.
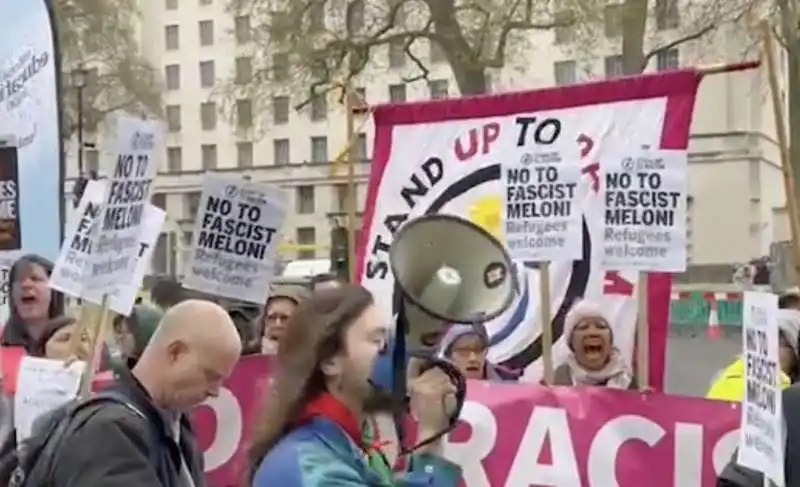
column 68, row 272
column 235, row 238
column 761, row 439
column 7, row 260
column 122, row 299
column 542, row 191
column 115, row 247
column 43, row 385
column 645, row 193
column 67, row 276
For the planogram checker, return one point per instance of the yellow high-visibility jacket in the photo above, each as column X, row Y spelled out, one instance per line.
column 729, row 384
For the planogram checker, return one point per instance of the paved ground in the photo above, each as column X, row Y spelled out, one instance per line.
column 693, row 359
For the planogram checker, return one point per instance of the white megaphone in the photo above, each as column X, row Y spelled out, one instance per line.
column 448, row 271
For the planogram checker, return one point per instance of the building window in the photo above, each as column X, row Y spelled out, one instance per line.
column 92, row 160
column 159, row 200
column 174, row 118
column 208, row 155
column 612, row 19
column 355, row 17
column 438, row 89
column 614, row 67
column 304, row 201
column 241, row 28
column 306, row 236
column 174, row 159
column 435, row 52
column 172, row 74
column 207, row 74
column 397, row 93
column 192, row 203
column 171, row 4
column 319, row 149
column 340, row 195
column 565, row 32
column 667, row 14
column 244, row 70
column 208, row 115
column 280, row 110
column 172, row 37
column 244, row 114
column 565, row 73
column 244, row 154
column 280, row 152
column 280, row 66
column 397, row 53
column 668, row 60
column 361, row 148
column 206, row 28
column 319, row 108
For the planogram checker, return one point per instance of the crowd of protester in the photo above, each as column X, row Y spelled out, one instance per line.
column 320, row 425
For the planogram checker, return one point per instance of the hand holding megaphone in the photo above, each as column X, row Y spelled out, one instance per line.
column 448, row 271
column 432, row 396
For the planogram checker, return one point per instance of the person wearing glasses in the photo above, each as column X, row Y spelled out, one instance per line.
column 279, row 308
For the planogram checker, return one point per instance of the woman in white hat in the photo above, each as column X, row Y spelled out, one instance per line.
column 593, row 358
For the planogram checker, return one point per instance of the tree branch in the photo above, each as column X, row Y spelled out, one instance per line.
column 498, row 60
column 424, row 72
column 692, row 36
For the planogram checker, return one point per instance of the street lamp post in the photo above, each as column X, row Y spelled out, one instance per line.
column 79, row 83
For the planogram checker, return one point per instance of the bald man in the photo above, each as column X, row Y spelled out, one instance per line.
column 147, row 441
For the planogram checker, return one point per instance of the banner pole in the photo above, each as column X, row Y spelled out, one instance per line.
column 783, row 145
column 95, row 343
column 80, row 329
column 352, row 196
column 545, row 316
column 642, row 335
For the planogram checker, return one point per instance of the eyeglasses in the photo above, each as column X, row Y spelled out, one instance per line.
column 275, row 317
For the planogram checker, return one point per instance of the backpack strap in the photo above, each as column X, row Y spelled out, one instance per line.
column 39, row 470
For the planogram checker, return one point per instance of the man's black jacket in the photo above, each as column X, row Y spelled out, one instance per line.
column 734, row 475
column 118, row 448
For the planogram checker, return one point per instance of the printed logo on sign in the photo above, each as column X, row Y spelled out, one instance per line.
column 19, row 104
column 143, row 141
column 231, row 191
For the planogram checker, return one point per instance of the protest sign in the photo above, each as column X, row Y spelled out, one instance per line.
column 67, row 276
column 761, row 439
column 115, row 242
column 42, row 385
column 122, row 299
column 235, row 238
column 10, row 229
column 521, row 434
column 645, row 193
column 7, row 260
column 542, row 187
column 68, row 272
column 444, row 157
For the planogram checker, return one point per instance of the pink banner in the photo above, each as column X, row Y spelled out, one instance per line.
column 528, row 435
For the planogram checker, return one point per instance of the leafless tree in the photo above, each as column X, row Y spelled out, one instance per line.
column 101, row 37
column 309, row 45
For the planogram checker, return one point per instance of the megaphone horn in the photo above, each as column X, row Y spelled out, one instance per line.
column 450, row 271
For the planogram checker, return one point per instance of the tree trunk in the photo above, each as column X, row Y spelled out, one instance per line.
column 634, row 24
column 468, row 70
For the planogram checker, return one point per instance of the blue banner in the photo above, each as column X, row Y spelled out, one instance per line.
column 30, row 119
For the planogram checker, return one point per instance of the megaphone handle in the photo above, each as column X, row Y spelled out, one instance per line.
column 399, row 367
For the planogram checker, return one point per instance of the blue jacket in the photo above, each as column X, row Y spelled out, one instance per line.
column 319, row 454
